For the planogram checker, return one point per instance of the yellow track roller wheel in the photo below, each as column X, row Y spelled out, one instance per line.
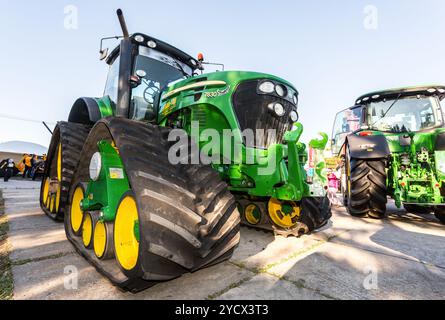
column 76, row 214
column 45, row 192
column 103, row 240
column 252, row 214
column 284, row 213
column 87, row 230
column 126, row 244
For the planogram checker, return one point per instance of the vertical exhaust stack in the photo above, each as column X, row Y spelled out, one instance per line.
column 120, row 16
column 125, row 56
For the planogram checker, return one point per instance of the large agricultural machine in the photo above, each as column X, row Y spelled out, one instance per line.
column 134, row 202
column 393, row 143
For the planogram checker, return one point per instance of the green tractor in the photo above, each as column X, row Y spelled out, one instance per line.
column 393, row 144
column 151, row 178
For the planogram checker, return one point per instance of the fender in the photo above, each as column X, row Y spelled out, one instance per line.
column 85, row 110
column 369, row 147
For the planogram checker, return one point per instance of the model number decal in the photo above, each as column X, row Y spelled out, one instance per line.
column 217, row 93
column 116, row 173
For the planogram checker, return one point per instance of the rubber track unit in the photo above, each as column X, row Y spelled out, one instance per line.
column 315, row 213
column 188, row 219
column 368, row 194
column 72, row 137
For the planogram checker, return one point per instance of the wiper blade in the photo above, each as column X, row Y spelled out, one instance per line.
column 387, row 111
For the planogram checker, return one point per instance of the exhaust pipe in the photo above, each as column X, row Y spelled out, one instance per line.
column 125, row 56
column 120, row 16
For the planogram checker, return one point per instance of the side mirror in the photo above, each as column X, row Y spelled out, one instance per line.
column 103, row 54
column 135, row 81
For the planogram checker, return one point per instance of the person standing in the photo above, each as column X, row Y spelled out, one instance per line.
column 9, row 170
column 28, row 165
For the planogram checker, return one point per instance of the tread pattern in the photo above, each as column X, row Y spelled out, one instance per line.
column 368, row 194
column 72, row 137
column 187, row 216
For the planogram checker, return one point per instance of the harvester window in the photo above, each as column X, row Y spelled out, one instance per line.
column 111, row 87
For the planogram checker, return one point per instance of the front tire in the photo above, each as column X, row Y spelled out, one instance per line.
column 366, row 188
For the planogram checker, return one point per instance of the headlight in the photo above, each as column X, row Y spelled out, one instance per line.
column 266, row 87
column 293, row 116
column 95, row 166
column 277, row 108
column 280, row 90
column 295, row 99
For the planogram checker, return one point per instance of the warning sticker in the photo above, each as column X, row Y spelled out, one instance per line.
column 116, row 173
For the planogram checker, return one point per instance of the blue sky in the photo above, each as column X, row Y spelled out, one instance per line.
column 321, row 46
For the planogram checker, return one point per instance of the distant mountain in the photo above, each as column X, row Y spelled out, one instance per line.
column 22, row 147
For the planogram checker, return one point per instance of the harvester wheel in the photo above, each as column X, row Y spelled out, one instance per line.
column 63, row 157
column 439, row 212
column 366, row 187
column 175, row 219
column 413, row 208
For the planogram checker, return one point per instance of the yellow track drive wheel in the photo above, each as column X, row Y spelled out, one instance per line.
column 103, row 240
column 76, row 214
column 252, row 214
column 126, row 227
column 45, row 192
column 284, row 214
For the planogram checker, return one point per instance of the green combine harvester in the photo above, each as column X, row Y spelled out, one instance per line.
column 393, row 143
column 122, row 171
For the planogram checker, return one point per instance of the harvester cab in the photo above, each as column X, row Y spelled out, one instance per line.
column 151, row 178
column 393, row 145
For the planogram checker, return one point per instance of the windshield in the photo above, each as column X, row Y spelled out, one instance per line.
column 407, row 114
column 156, row 71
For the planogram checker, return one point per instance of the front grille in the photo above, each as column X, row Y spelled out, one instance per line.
column 251, row 109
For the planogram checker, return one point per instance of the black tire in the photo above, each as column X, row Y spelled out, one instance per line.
column 316, row 212
column 366, row 188
column 188, row 218
column 439, row 212
column 71, row 136
column 417, row 209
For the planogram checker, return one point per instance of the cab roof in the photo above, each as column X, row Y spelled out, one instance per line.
column 160, row 46
column 406, row 91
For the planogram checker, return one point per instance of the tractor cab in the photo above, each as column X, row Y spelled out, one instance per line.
column 392, row 112
column 141, row 67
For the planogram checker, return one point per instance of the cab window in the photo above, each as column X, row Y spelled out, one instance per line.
column 111, row 86
column 345, row 123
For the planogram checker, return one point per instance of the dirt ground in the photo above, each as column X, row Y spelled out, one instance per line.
column 398, row 258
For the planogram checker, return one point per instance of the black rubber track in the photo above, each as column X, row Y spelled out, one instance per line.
column 413, row 208
column 188, row 218
column 72, row 137
column 439, row 212
column 368, row 194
